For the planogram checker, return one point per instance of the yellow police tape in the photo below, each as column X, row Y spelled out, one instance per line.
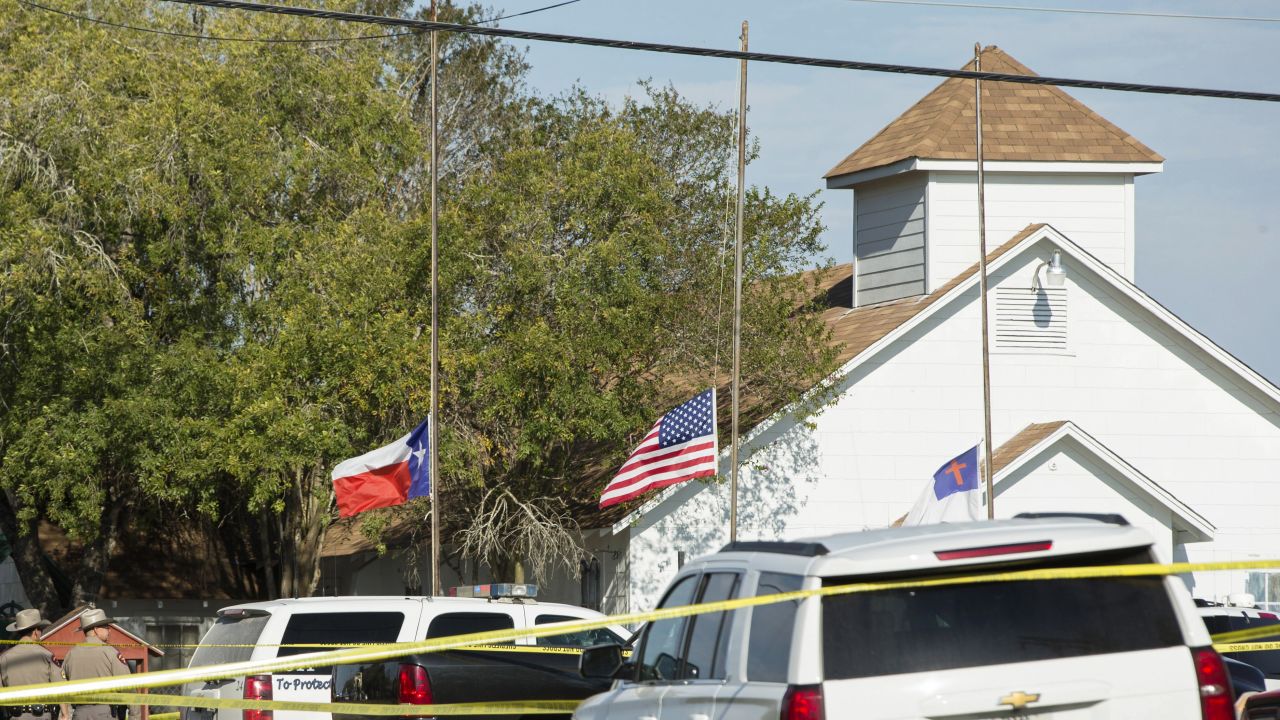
column 1245, row 647
column 33, row 694
column 1247, row 634
column 521, row 707
column 165, row 716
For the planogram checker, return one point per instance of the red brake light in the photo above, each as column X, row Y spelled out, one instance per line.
column 257, row 687
column 1215, row 686
column 414, row 686
column 989, row 550
column 803, row 702
column 1268, row 616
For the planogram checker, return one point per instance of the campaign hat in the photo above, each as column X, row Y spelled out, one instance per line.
column 26, row 620
column 92, row 618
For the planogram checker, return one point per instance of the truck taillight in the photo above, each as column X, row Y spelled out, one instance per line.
column 1215, row 686
column 803, row 702
column 257, row 687
column 414, row 685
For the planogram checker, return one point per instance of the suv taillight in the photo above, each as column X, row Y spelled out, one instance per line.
column 414, row 686
column 803, row 702
column 1215, row 686
column 257, row 687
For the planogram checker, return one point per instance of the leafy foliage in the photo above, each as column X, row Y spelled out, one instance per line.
column 214, row 284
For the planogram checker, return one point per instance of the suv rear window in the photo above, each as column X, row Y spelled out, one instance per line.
column 465, row 623
column 926, row 629
column 339, row 628
column 229, row 630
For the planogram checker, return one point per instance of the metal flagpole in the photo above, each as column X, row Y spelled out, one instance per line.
column 737, row 291
column 982, row 290
column 433, row 426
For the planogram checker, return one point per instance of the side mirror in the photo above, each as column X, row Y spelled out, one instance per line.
column 600, row 661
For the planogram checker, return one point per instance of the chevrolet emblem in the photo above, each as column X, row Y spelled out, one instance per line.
column 1019, row 700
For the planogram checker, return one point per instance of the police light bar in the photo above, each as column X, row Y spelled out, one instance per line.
column 494, row 591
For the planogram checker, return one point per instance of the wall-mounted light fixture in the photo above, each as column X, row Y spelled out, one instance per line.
column 1054, row 276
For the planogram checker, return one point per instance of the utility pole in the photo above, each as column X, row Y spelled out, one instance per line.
column 982, row 290
column 433, row 425
column 737, row 290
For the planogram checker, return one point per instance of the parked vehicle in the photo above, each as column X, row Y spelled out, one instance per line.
column 1051, row 648
column 1244, row 677
column 1242, row 615
column 264, row 626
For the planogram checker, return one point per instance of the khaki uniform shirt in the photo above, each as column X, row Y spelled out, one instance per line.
column 28, row 663
column 94, row 659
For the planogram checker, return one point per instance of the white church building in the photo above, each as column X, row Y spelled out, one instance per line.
column 1103, row 400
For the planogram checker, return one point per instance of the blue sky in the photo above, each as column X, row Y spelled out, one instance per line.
column 1208, row 239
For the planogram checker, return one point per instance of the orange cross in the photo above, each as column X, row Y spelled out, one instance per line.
column 954, row 468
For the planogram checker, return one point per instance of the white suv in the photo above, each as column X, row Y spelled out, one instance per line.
column 1078, row 648
column 257, row 631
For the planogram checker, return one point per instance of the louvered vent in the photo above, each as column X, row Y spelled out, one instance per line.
column 1029, row 319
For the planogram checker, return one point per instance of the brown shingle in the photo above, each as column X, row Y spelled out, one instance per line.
column 1028, row 116
column 1027, row 438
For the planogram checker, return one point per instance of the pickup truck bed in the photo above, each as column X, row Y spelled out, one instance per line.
column 470, row 676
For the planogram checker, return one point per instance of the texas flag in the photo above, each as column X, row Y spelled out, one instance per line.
column 953, row 496
column 386, row 476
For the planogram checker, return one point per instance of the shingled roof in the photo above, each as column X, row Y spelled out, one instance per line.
column 1019, row 123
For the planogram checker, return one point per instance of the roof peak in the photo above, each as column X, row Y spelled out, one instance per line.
column 1020, row 122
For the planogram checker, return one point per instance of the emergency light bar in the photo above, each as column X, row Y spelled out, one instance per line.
column 494, row 591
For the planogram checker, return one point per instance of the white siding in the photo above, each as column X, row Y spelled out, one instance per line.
column 1095, row 211
column 889, row 238
column 1142, row 392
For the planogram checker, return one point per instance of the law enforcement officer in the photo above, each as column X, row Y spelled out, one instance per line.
column 94, row 659
column 28, row 663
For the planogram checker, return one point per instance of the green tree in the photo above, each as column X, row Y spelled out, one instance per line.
column 589, row 290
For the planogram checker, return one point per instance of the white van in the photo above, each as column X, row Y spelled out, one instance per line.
column 257, row 631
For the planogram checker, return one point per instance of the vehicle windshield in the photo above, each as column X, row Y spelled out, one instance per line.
column 241, row 631
column 958, row 626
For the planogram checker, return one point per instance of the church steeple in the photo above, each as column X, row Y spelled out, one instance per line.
column 1049, row 158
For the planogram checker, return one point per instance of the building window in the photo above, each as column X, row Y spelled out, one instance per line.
column 1031, row 319
column 1265, row 589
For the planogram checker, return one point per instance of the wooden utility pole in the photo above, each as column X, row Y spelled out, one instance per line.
column 737, row 291
column 433, row 422
column 982, row 290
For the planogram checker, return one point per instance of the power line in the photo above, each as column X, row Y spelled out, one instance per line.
column 425, row 25
column 218, row 38
column 1074, row 11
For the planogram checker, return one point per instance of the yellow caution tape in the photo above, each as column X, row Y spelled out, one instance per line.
column 38, row 693
column 1245, row 647
column 165, row 716
column 522, row 707
column 1247, row 634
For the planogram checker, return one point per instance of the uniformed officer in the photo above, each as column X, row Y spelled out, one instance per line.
column 28, row 663
column 94, row 659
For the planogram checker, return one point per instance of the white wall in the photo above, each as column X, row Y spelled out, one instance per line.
column 1094, row 210
column 1147, row 396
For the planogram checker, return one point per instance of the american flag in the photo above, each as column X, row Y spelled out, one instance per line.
column 681, row 446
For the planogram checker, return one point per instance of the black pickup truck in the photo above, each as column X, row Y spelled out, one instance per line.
column 489, row 675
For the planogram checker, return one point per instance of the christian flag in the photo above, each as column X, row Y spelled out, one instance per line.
column 680, row 446
column 384, row 477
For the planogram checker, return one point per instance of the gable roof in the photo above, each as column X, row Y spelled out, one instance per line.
column 1019, row 123
column 1020, row 449
column 866, row 331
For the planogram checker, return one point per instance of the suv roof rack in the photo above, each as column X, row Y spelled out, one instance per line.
column 804, row 549
column 1109, row 518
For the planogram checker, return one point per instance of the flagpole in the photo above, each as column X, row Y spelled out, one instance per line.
column 982, row 289
column 433, row 422
column 737, row 291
